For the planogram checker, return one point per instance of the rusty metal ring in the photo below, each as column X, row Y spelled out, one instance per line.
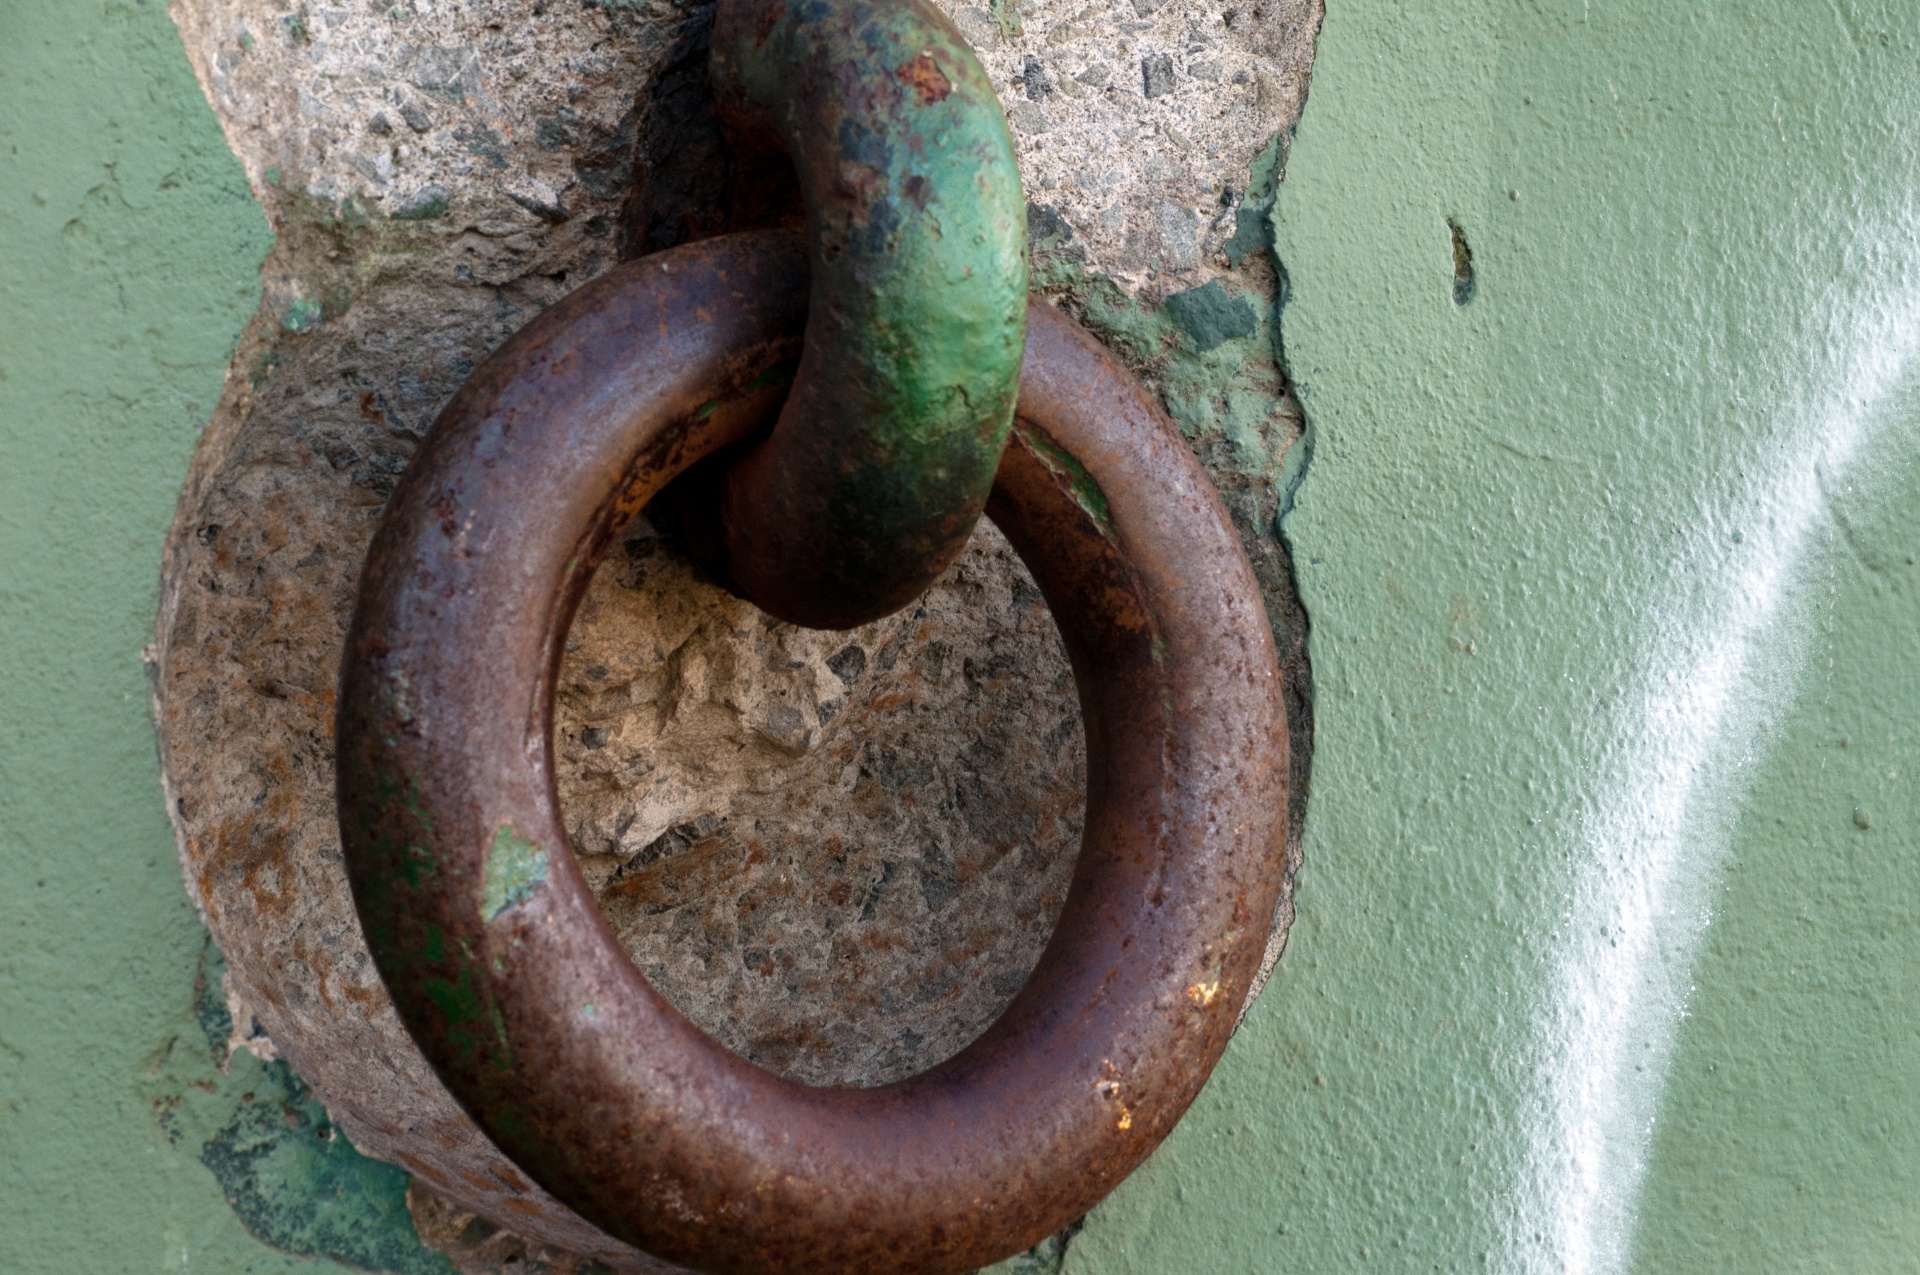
column 490, row 941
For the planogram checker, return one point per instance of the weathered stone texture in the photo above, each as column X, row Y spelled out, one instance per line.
column 838, row 852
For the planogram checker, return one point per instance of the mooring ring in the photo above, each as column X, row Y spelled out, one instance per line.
column 490, row 941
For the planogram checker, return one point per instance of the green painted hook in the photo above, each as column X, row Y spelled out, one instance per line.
column 881, row 461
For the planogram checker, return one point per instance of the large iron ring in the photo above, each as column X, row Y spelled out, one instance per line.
column 489, row 939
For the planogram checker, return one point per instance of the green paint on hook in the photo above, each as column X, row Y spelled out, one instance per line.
column 887, row 446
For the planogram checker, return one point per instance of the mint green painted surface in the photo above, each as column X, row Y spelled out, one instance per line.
column 132, row 259
column 1609, row 944
column 1612, row 579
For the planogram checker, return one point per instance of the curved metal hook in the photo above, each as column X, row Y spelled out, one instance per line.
column 872, row 479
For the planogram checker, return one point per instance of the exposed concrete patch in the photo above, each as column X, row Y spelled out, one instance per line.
column 1138, row 122
column 840, row 854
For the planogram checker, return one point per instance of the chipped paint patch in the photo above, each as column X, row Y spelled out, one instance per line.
column 290, row 1173
column 1202, row 994
column 515, row 867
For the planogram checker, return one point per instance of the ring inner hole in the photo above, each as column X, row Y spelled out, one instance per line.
column 840, row 854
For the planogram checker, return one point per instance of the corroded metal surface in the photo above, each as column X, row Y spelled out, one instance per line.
column 880, row 464
column 897, row 807
column 490, row 939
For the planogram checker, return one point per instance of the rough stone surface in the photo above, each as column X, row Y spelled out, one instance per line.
column 1124, row 112
column 839, row 853
column 1120, row 112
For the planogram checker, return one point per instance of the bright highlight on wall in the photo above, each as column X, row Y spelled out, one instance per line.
column 1722, row 650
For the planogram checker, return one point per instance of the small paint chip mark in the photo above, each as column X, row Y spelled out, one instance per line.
column 924, row 77
column 1202, row 994
column 515, row 867
column 1110, row 1090
column 1462, row 264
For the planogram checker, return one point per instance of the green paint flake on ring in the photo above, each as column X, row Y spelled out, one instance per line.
column 778, row 373
column 515, row 866
column 1086, row 491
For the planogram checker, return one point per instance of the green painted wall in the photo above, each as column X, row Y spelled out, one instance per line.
column 1615, row 625
column 1607, row 955
column 132, row 255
